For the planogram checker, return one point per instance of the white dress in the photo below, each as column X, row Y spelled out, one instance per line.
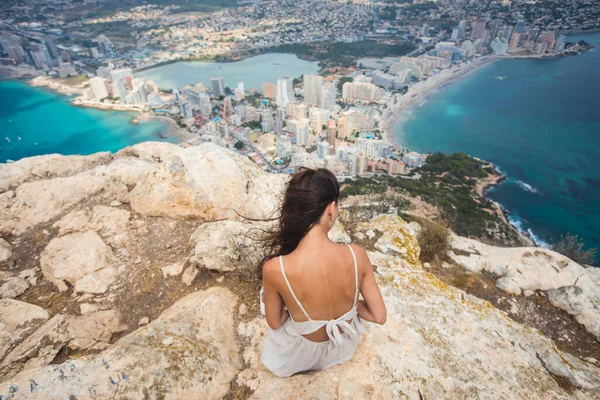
column 286, row 352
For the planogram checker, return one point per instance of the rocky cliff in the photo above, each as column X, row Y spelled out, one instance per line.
column 133, row 276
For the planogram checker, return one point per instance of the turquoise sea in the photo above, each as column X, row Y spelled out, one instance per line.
column 540, row 126
column 36, row 121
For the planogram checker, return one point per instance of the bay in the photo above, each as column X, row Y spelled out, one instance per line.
column 35, row 121
column 540, row 125
column 252, row 71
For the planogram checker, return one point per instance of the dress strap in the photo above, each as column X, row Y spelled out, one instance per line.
column 355, row 275
column 290, row 288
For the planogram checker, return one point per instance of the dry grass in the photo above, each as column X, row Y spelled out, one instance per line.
column 434, row 240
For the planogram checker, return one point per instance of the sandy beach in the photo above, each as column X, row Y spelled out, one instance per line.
column 401, row 105
column 56, row 85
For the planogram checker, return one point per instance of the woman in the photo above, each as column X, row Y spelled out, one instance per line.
column 311, row 284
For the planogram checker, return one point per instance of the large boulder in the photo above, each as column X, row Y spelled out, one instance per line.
column 46, row 167
column 111, row 223
column 16, row 320
column 227, row 245
column 207, row 182
column 80, row 259
column 189, row 352
column 570, row 286
column 6, row 255
column 93, row 331
column 40, row 201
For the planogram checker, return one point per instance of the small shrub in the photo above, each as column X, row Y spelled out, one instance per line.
column 434, row 240
column 572, row 246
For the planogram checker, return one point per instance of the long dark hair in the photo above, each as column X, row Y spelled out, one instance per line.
column 307, row 195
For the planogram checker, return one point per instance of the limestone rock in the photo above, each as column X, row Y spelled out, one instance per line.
column 144, row 321
column 172, row 269
column 189, row 275
column 87, row 308
column 109, row 222
column 6, row 255
column 572, row 287
column 96, row 282
column 90, row 331
column 71, row 258
column 227, row 245
column 338, row 234
column 42, row 200
column 396, row 238
column 47, row 166
column 13, row 287
column 199, row 362
column 16, row 320
column 508, row 284
column 205, row 181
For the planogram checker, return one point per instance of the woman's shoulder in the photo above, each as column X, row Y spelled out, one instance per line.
column 270, row 268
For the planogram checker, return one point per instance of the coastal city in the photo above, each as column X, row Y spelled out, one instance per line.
column 315, row 199
column 340, row 119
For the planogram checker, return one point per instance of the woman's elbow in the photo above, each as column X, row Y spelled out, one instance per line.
column 381, row 318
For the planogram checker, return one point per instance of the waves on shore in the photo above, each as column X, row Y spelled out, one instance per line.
column 518, row 224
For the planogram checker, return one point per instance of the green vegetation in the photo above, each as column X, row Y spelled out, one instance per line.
column 343, row 80
column 572, row 246
column 110, row 7
column 339, row 54
column 239, row 145
column 252, row 124
column 434, row 240
column 448, row 183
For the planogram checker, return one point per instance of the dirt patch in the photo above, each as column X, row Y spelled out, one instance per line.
column 534, row 311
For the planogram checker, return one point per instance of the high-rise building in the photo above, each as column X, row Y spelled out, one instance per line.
column 285, row 91
column 119, row 87
column 117, row 74
column 205, row 105
column 279, row 118
column 322, row 149
column 284, row 146
column 269, row 90
column 240, row 87
column 331, row 131
column 50, row 42
column 226, row 108
column 478, row 29
column 186, row 110
column 514, row 41
column 495, row 29
column 266, row 120
column 361, row 91
column 520, row 27
column 425, row 30
column 108, row 49
column 302, row 132
column 218, row 88
column 313, row 90
column 98, row 86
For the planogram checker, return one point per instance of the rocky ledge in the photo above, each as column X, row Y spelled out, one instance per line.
column 133, row 276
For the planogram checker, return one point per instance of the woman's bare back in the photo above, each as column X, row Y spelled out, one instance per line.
column 322, row 278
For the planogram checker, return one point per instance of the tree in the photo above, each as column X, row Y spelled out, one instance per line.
column 227, row 90
column 239, row 145
column 343, row 80
column 573, row 247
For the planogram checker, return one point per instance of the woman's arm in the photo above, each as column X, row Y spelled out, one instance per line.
column 372, row 308
column 275, row 311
